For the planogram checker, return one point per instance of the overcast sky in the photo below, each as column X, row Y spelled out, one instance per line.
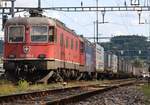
column 119, row 22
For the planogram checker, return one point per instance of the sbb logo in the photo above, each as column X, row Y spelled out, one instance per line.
column 26, row 49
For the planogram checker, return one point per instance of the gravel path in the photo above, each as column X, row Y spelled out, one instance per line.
column 121, row 96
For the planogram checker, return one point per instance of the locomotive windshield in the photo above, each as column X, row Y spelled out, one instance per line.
column 16, row 33
column 39, row 34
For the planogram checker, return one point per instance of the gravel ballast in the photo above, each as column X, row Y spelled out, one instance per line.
column 130, row 95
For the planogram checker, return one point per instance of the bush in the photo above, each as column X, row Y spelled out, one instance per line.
column 23, row 85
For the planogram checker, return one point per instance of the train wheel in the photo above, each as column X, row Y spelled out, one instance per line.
column 80, row 76
column 57, row 77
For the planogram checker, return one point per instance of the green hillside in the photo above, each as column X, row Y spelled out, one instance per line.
column 129, row 46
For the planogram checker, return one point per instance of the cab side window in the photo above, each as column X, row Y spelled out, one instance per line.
column 82, row 47
column 76, row 45
column 61, row 39
column 51, row 34
column 67, row 42
column 71, row 43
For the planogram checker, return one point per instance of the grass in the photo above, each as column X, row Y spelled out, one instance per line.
column 146, row 90
column 7, row 89
column 2, row 82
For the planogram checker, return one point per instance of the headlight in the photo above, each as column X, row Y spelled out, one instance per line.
column 42, row 56
column 12, row 56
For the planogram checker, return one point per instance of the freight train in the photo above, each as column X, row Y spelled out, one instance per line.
column 38, row 48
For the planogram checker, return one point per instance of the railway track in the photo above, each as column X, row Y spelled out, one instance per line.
column 61, row 96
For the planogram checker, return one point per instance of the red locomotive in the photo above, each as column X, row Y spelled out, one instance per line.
column 39, row 48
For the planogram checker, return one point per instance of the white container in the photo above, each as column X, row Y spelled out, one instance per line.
column 99, row 58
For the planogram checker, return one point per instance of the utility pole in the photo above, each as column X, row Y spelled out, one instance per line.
column 94, row 31
column 148, row 4
column 97, row 21
column 139, row 14
column 12, row 7
column 39, row 3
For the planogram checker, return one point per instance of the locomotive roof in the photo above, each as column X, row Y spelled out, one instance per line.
column 38, row 21
column 83, row 39
column 62, row 25
column 29, row 21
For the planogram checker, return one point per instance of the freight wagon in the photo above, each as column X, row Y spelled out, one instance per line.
column 111, row 62
column 99, row 57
